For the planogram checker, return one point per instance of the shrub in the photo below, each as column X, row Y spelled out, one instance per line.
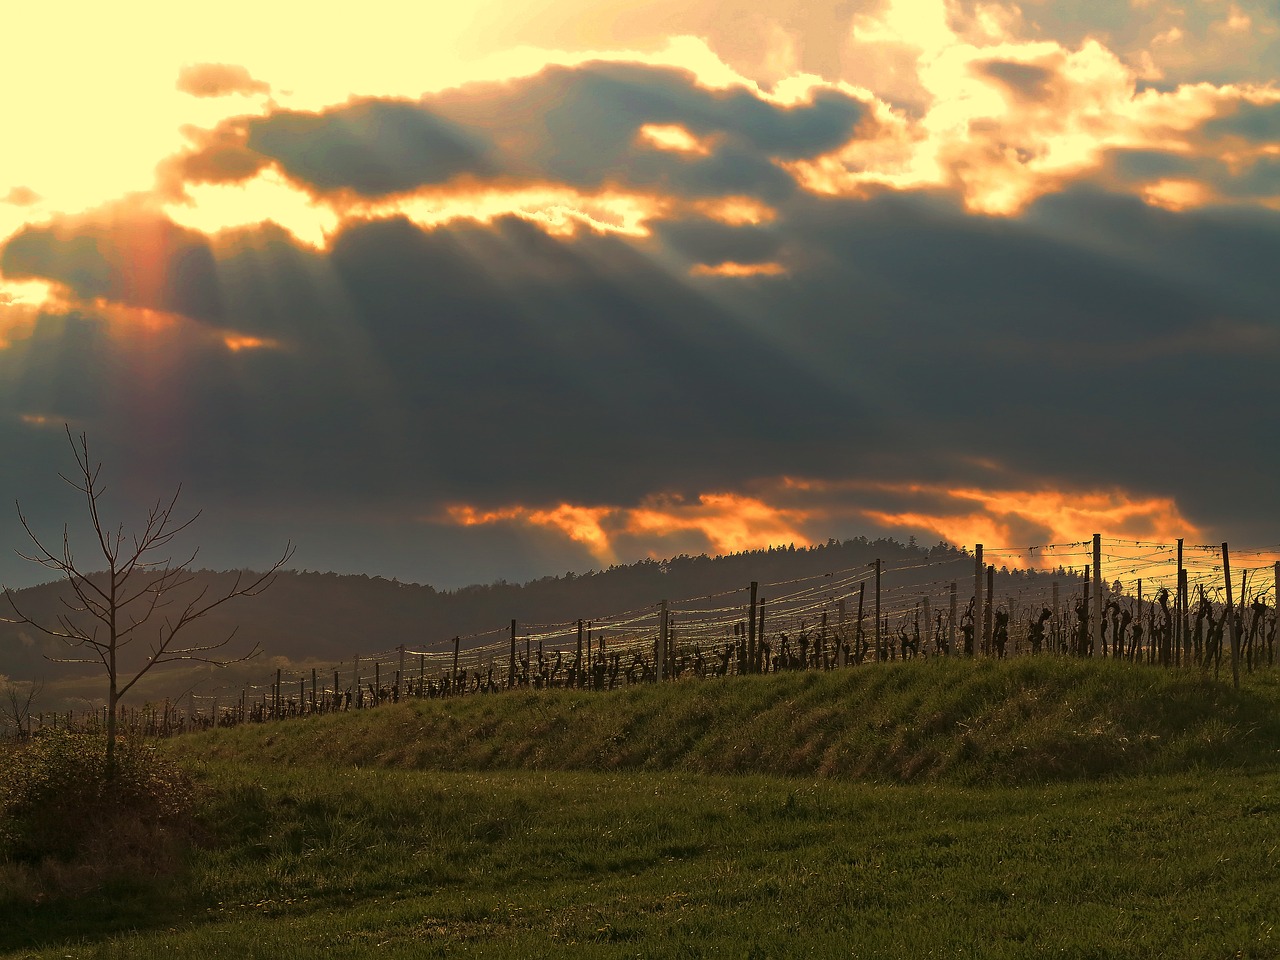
column 60, row 811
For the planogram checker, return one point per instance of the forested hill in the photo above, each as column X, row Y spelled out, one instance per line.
column 325, row 616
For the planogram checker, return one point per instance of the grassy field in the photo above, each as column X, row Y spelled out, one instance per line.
column 923, row 809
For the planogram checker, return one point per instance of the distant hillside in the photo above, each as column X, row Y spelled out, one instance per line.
column 325, row 616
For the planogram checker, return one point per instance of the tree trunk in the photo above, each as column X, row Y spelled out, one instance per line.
column 112, row 700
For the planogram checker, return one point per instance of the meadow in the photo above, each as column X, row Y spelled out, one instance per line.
column 931, row 808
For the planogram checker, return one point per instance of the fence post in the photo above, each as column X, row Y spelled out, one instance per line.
column 978, row 606
column 1095, row 611
column 276, row 709
column 1180, row 615
column 1231, row 618
column 879, row 645
column 454, row 679
column 751, row 628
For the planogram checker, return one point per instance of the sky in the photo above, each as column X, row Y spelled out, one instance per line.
column 499, row 290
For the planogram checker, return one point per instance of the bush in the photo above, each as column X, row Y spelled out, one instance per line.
column 59, row 809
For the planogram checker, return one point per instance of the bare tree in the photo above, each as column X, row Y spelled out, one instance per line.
column 18, row 704
column 140, row 593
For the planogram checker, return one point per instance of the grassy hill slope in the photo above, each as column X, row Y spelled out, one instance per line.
column 1027, row 720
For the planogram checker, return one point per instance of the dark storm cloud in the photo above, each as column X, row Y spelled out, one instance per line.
column 1136, row 165
column 1259, row 122
column 1092, row 341
column 572, row 125
column 124, row 254
column 709, row 242
column 1080, row 342
column 218, row 80
column 579, row 125
column 471, row 362
column 373, row 147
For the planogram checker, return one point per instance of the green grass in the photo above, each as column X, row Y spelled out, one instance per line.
column 534, row 841
column 1029, row 720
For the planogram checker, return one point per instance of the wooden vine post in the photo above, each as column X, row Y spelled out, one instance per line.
column 751, row 627
column 977, row 593
column 879, row 643
column 1180, row 612
column 1231, row 618
column 1095, row 611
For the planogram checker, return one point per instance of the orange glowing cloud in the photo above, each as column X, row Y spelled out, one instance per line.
column 721, row 522
column 730, row 522
column 731, row 269
column 468, row 516
column 734, row 211
column 235, row 342
column 580, row 524
column 1177, row 194
column 802, row 511
column 673, row 137
column 993, row 516
column 1002, row 120
column 20, row 304
column 560, row 210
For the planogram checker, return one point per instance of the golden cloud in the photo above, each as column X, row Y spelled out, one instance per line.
column 673, row 137
column 719, row 522
column 731, row 269
column 1139, row 531
column 1004, row 121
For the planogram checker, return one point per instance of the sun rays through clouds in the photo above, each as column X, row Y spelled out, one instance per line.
column 621, row 280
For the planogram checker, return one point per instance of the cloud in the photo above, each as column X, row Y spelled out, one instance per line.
column 21, row 197
column 497, row 364
column 602, row 293
column 123, row 252
column 371, row 147
column 585, row 127
column 218, row 80
column 660, row 525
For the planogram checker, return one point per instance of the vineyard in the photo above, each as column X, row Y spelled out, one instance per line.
column 1191, row 606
